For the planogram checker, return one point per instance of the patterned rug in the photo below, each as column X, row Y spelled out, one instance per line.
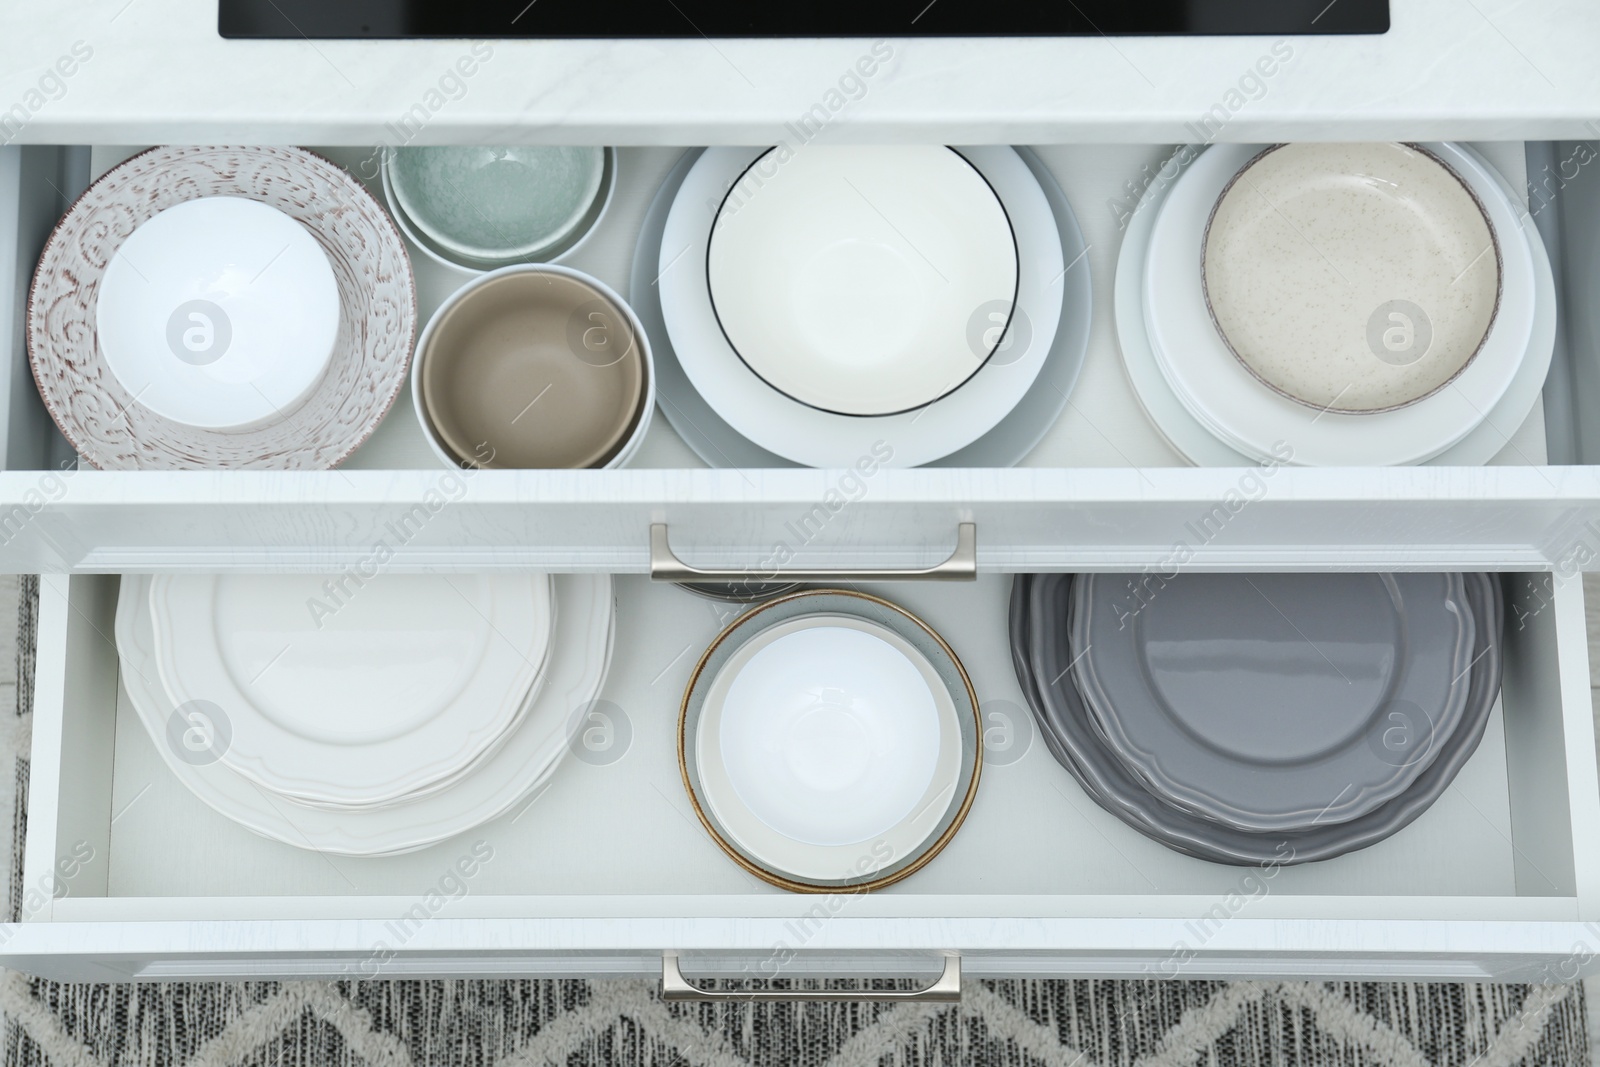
column 528, row 1023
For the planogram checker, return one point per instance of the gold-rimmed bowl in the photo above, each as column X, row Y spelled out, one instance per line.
column 831, row 740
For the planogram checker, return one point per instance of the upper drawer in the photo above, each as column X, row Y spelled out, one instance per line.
column 1101, row 489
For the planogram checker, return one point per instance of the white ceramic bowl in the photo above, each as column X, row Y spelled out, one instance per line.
column 830, row 740
column 829, row 731
column 426, row 343
column 219, row 313
column 806, row 435
column 850, row 277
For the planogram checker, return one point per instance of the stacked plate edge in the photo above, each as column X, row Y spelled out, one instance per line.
column 512, row 758
column 1044, row 657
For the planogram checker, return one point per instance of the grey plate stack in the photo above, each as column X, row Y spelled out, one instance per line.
column 1252, row 719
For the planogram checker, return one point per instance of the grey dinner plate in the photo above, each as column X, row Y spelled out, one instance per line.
column 740, row 592
column 720, row 445
column 1274, row 702
column 1041, row 655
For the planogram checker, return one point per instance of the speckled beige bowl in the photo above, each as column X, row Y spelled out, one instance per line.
column 534, row 367
column 1354, row 278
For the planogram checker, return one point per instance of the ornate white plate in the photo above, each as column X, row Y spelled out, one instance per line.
column 357, row 696
column 579, row 657
column 108, row 426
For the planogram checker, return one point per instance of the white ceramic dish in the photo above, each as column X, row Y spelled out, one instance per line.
column 1351, row 277
column 106, row 424
column 750, row 832
column 825, row 739
column 720, row 445
column 1223, row 395
column 811, row 437
column 419, row 674
column 847, row 277
column 1192, row 439
column 219, row 313
column 1275, row 702
column 579, row 656
column 474, row 265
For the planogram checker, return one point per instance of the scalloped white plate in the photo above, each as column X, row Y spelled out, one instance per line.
column 357, row 697
column 579, row 657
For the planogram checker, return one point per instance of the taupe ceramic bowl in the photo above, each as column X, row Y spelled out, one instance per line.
column 535, row 366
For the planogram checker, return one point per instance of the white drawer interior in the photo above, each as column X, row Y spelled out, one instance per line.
column 1516, row 837
column 1103, row 491
column 1103, row 424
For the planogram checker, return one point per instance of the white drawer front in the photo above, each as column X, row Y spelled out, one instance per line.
column 608, row 869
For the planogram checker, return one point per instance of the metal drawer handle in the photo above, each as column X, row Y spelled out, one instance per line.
column 961, row 566
column 945, row 990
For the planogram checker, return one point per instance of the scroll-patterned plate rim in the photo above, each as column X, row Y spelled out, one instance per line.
column 377, row 328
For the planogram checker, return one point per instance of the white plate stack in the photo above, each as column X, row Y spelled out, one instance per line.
column 1318, row 256
column 363, row 716
column 893, row 305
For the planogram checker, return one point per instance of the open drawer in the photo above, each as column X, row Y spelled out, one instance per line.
column 129, row 875
column 1099, row 421
column 1102, row 489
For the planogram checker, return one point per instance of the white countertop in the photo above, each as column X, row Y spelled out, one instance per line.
column 157, row 71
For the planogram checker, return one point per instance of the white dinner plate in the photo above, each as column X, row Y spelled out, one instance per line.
column 1195, row 441
column 1224, row 395
column 812, row 437
column 720, row 445
column 847, row 277
column 356, row 696
column 580, row 654
column 824, row 738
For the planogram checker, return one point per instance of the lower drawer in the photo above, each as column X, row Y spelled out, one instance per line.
column 129, row 875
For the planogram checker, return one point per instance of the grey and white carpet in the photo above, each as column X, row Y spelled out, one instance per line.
column 528, row 1023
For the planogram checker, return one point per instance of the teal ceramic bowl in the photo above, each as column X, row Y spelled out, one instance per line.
column 485, row 207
